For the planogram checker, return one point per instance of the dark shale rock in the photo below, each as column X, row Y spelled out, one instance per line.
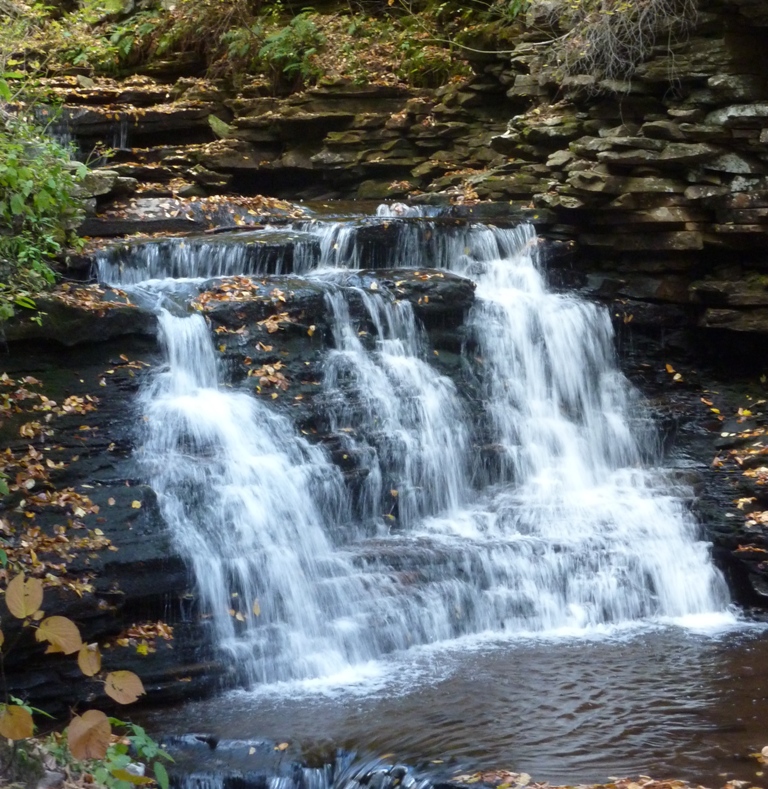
column 70, row 325
column 143, row 579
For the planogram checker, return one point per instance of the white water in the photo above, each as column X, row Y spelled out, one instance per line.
column 254, row 253
column 391, row 406
column 576, row 530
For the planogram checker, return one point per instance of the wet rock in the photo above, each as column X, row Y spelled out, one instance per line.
column 728, row 293
column 682, row 240
column 68, row 323
column 142, row 579
column 755, row 320
column 105, row 227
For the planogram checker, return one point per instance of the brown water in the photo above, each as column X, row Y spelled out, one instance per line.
column 664, row 702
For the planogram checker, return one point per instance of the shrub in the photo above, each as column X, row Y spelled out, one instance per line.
column 425, row 65
column 288, row 55
column 39, row 207
column 611, row 38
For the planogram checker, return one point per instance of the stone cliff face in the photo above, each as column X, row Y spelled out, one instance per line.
column 661, row 181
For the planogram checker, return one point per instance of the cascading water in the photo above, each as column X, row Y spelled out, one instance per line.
column 249, row 502
column 575, row 528
column 411, row 424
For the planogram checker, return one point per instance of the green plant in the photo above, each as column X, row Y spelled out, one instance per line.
column 90, row 745
column 426, row 65
column 288, row 55
column 39, row 206
column 231, row 40
column 131, row 746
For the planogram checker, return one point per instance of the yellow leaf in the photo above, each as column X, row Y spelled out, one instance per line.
column 669, row 368
column 239, row 617
column 88, row 735
column 256, row 608
column 136, row 505
column 715, row 410
column 123, row 686
column 111, row 501
column 311, row 330
column 24, row 596
column 61, row 633
column 2, row 638
column 15, row 723
column 89, row 659
column 251, row 751
column 142, row 649
column 282, row 746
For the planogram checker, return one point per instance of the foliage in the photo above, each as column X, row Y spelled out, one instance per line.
column 129, row 748
column 231, row 35
column 90, row 744
column 246, row 39
column 425, row 65
column 39, row 207
column 288, row 54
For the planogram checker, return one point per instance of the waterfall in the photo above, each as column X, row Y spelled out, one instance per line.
column 249, row 503
column 390, row 404
column 574, row 527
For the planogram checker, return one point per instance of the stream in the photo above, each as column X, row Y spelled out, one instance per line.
column 555, row 611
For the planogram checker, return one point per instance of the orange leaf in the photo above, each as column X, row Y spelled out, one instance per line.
column 15, row 723
column 88, row 735
column 123, row 686
column 61, row 633
column 89, row 659
column 24, row 597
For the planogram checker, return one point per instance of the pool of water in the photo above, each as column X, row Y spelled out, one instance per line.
column 666, row 701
